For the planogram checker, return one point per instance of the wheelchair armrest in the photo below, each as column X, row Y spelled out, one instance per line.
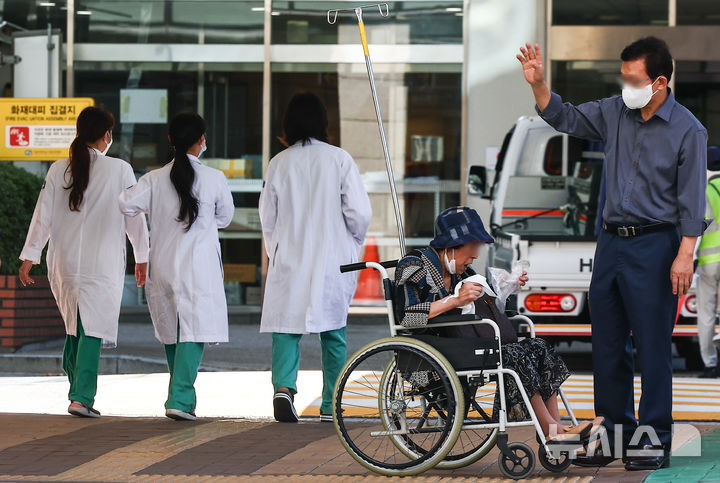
column 461, row 319
column 452, row 320
column 439, row 319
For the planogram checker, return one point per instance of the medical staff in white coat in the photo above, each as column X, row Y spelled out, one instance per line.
column 314, row 212
column 77, row 213
column 186, row 202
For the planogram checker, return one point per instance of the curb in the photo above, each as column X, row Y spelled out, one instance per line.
column 45, row 364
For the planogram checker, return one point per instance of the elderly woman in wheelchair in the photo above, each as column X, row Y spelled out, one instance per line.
column 425, row 280
column 441, row 391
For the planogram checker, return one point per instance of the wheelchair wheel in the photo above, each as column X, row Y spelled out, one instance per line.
column 398, row 406
column 554, row 462
column 473, row 443
column 523, row 467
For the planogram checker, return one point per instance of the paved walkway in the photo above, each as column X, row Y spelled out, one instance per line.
column 63, row 448
column 236, row 441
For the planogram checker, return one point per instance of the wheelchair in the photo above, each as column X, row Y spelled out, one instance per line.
column 408, row 403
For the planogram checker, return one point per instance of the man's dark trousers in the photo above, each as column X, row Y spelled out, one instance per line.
column 631, row 291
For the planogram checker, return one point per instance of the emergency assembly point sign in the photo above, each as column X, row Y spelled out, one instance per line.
column 39, row 129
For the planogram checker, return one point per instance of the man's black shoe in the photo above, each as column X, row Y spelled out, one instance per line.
column 657, row 457
column 597, row 459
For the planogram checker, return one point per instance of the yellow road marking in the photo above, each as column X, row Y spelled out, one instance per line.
column 120, row 464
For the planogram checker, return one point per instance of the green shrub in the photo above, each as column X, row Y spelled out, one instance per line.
column 18, row 194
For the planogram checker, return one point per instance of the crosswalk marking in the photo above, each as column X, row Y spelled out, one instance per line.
column 693, row 399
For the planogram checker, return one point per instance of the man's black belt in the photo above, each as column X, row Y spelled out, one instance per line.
column 636, row 230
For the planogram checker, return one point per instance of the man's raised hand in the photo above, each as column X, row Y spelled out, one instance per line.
column 531, row 59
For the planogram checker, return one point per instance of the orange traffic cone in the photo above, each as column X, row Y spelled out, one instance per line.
column 369, row 288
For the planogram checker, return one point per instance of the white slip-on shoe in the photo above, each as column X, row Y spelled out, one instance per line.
column 81, row 410
column 179, row 415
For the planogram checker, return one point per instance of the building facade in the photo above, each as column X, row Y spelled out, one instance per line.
column 448, row 81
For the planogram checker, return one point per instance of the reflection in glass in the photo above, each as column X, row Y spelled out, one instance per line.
column 303, row 22
column 583, row 81
column 697, row 87
column 31, row 15
column 698, row 12
column 610, row 12
column 231, row 103
column 169, row 21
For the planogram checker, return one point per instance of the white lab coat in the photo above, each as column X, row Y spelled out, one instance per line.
column 185, row 280
column 86, row 252
column 314, row 212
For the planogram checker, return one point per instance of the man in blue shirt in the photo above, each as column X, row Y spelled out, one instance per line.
column 655, row 159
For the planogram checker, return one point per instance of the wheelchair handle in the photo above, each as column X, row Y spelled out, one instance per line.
column 362, row 265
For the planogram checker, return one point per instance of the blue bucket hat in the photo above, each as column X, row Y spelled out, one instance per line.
column 457, row 226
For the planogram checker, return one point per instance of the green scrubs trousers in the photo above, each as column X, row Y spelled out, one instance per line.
column 286, row 362
column 81, row 359
column 183, row 362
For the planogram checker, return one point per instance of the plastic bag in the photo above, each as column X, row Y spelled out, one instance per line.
column 505, row 283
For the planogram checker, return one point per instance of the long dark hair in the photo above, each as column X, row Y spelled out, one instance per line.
column 185, row 130
column 92, row 124
column 305, row 117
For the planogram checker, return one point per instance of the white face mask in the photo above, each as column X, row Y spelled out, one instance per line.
column 638, row 97
column 107, row 148
column 450, row 264
column 203, row 148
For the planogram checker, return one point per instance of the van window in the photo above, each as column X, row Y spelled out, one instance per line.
column 552, row 161
column 553, row 156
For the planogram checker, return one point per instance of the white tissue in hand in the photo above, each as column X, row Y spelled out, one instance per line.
column 479, row 279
